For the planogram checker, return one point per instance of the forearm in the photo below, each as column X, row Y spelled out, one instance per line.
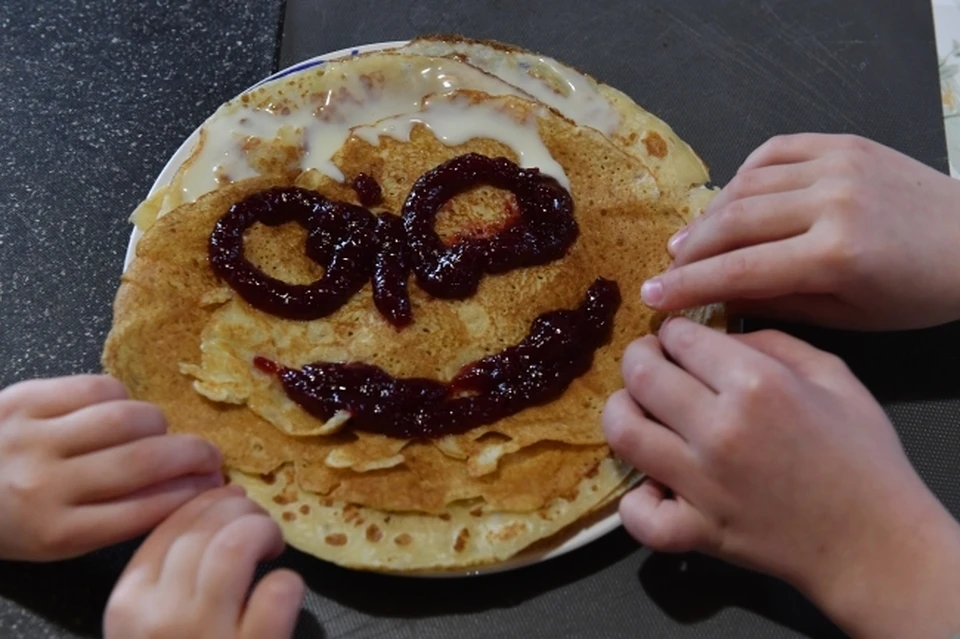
column 907, row 585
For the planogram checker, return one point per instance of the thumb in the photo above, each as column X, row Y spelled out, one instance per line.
column 664, row 523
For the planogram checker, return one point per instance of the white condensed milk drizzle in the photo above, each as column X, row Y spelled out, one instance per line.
column 454, row 119
column 356, row 92
column 571, row 93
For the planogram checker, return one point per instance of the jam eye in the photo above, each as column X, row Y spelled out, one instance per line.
column 544, row 231
column 340, row 238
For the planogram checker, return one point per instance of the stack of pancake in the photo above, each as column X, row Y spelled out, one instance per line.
column 183, row 339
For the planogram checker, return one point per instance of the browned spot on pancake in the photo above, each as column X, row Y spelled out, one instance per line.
column 359, row 521
column 477, row 512
column 374, row 533
column 268, row 478
column 632, row 138
column 593, row 472
column 386, row 519
column 288, row 516
column 283, row 499
column 508, row 532
column 305, row 509
column 461, row 541
column 445, row 516
column 403, row 539
column 656, row 145
column 337, row 539
column 351, row 514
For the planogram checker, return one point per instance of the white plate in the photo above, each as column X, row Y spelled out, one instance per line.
column 568, row 540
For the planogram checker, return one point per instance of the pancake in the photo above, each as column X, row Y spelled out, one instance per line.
column 186, row 341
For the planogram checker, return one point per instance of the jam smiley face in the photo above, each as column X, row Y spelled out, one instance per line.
column 354, row 245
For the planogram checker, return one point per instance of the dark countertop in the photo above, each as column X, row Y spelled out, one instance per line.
column 96, row 96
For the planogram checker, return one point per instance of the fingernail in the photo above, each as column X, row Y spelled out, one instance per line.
column 652, row 292
column 678, row 237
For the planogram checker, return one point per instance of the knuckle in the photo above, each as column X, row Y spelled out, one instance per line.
column 681, row 336
column 657, row 536
column 635, row 354
column 734, row 268
column 832, row 363
column 778, row 142
column 615, row 419
column 122, row 612
column 843, row 197
column 101, row 386
column 638, row 377
column 52, row 539
column 27, row 485
column 724, row 441
column 137, row 419
column 730, row 215
column 839, row 253
column 854, row 143
column 13, row 396
column 197, row 451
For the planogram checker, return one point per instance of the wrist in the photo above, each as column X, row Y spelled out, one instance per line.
column 899, row 578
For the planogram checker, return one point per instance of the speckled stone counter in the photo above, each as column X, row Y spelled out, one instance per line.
column 94, row 96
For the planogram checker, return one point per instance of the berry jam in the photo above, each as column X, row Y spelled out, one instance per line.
column 353, row 245
column 367, row 189
column 340, row 238
column 544, row 230
column 558, row 349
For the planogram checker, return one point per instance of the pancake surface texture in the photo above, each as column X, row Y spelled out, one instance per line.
column 185, row 340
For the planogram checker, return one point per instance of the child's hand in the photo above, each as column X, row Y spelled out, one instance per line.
column 191, row 576
column 834, row 230
column 769, row 453
column 82, row 467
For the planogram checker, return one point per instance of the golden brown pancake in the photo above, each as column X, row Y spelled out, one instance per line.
column 185, row 341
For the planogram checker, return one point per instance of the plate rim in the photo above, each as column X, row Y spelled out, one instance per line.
column 580, row 538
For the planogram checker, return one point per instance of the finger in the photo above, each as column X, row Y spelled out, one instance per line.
column 60, row 395
column 149, row 557
column 800, row 357
column 274, row 606
column 757, row 272
column 126, row 469
column 789, row 149
column 96, row 526
column 106, row 424
column 663, row 389
column 649, row 447
column 746, row 222
column 718, row 360
column 821, row 309
column 182, row 564
column 764, row 180
column 230, row 559
column 665, row 524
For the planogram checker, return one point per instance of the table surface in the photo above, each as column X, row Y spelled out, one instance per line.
column 96, row 97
